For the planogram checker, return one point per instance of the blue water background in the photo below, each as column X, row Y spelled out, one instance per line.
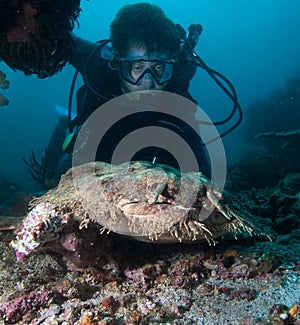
column 256, row 44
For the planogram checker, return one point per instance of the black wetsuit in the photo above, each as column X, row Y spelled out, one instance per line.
column 102, row 84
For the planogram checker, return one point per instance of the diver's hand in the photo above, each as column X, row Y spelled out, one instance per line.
column 195, row 31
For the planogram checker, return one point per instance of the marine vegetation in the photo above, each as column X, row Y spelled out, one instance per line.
column 40, row 172
column 34, row 35
column 46, row 172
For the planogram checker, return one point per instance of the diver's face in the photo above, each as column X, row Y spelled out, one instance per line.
column 141, row 71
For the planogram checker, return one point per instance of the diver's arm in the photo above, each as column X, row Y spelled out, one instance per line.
column 80, row 51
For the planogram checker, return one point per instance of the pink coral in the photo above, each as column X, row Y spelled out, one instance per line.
column 12, row 311
column 41, row 225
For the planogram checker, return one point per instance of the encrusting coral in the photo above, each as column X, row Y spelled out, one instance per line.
column 35, row 38
column 290, row 137
column 134, row 199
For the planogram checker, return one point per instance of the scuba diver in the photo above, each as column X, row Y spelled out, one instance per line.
column 136, row 58
column 145, row 51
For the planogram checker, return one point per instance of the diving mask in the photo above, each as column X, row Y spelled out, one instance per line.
column 133, row 70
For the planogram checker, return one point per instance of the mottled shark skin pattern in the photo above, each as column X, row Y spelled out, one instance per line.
column 153, row 203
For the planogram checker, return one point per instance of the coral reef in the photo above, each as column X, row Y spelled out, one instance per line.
column 290, row 138
column 35, row 35
column 116, row 280
column 16, row 308
column 279, row 112
column 271, row 129
column 277, row 204
column 261, row 170
column 141, row 283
